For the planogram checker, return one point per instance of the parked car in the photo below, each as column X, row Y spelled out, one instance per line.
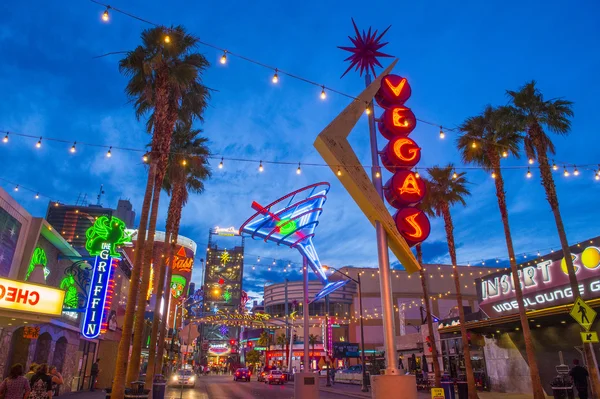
column 262, row 373
column 184, row 378
column 275, row 377
column 242, row 375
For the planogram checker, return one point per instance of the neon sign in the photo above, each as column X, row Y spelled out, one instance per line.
column 405, row 189
column 293, row 225
column 30, row 298
column 178, row 284
column 181, row 262
column 228, row 231
column 38, row 258
column 544, row 282
column 103, row 239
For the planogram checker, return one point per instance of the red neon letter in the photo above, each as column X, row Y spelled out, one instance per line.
column 410, row 185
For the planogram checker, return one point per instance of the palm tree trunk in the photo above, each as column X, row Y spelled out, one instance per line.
column 550, row 188
column 133, row 368
column 461, row 312
column 156, row 320
column 536, row 382
column 434, row 352
column 118, row 386
column 177, row 202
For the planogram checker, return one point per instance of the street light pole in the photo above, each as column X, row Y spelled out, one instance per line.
column 364, row 385
column 326, row 343
column 305, row 315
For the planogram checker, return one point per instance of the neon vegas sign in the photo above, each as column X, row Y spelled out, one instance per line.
column 544, row 284
column 226, row 231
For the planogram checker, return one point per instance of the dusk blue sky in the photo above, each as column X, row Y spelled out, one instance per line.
column 458, row 57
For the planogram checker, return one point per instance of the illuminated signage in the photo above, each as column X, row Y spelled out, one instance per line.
column 404, row 190
column 38, row 258
column 102, row 240
column 544, row 283
column 30, row 298
column 178, row 284
column 181, row 262
column 226, row 231
column 259, row 318
column 397, row 91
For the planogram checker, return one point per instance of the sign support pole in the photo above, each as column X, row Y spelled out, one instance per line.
column 385, row 283
column 305, row 315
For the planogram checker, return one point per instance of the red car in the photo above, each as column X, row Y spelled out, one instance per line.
column 242, row 375
column 275, row 377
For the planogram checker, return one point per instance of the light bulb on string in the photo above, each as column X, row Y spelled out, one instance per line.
column 566, row 172
column 167, row 38
column 258, row 259
column 109, row 153
column 417, row 175
column 504, row 154
column 73, row 147
column 37, row 195
column 275, row 77
column 145, row 157
column 105, row 16
column 473, row 144
column 299, row 170
column 442, row 134
column 339, row 172
column 260, row 167
column 5, row 139
column 454, row 175
column 221, row 164
column 576, row 171
column 17, row 187
column 530, row 161
column 323, row 94
column 493, row 175
column 528, row 173
column 224, row 57
column 367, row 108
column 377, row 174
column 39, row 143
column 184, row 162
column 554, row 166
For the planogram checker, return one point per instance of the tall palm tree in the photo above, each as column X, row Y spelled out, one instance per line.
column 180, row 184
column 533, row 114
column 447, row 188
column 264, row 340
column 159, row 72
column 312, row 341
column 281, row 341
column 484, row 141
column 188, row 162
column 434, row 353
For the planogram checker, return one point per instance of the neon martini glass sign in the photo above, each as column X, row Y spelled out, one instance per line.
column 291, row 221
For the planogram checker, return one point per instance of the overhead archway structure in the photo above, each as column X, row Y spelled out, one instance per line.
column 257, row 320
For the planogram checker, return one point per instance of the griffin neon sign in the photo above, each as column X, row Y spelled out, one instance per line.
column 103, row 239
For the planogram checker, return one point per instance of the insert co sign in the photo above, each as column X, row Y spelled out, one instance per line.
column 405, row 189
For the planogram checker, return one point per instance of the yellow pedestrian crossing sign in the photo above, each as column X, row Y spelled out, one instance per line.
column 583, row 314
column 589, row 337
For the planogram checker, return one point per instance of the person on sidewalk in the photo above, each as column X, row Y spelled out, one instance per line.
column 31, row 371
column 94, row 374
column 57, row 380
column 580, row 376
column 332, row 375
column 15, row 386
column 41, row 383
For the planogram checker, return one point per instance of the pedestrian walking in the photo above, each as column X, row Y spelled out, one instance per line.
column 31, row 371
column 94, row 374
column 41, row 383
column 332, row 375
column 580, row 376
column 15, row 386
column 57, row 380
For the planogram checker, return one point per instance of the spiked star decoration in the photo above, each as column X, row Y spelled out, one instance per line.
column 365, row 51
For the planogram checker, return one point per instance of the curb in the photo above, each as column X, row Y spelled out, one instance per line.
column 346, row 393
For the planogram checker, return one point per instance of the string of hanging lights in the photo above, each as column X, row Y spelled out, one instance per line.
column 75, row 144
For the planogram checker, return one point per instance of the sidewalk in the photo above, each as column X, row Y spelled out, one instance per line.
column 97, row 394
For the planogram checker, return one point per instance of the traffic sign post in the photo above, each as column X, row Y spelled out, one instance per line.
column 583, row 314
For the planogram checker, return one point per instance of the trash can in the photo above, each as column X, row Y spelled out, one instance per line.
column 448, row 387
column 463, row 389
column 563, row 392
column 137, row 391
column 158, row 387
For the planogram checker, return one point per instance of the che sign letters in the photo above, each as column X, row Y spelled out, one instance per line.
column 30, row 298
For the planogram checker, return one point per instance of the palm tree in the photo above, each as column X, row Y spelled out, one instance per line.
column 312, row 340
column 159, row 73
column 188, row 162
column 264, row 340
column 533, row 113
column 434, row 352
column 281, row 341
column 447, row 188
column 485, row 139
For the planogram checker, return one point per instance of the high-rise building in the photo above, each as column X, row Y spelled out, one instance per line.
column 72, row 221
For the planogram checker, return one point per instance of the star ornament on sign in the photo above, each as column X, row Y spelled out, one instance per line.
column 365, row 50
